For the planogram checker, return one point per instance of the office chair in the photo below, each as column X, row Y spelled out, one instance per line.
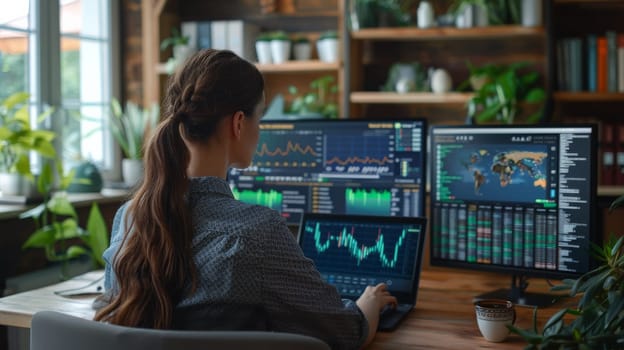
column 52, row 330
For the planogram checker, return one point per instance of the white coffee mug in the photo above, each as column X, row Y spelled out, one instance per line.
column 493, row 317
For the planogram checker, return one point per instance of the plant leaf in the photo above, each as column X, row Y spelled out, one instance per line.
column 60, row 205
column 42, row 237
column 75, row 251
column 97, row 237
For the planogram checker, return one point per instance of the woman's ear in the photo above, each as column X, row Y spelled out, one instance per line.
column 238, row 119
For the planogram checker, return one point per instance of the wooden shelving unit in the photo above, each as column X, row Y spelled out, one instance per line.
column 446, row 33
column 412, row 97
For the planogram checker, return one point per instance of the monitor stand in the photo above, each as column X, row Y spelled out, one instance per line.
column 518, row 295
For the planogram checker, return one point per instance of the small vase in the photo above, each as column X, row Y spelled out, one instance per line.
column 441, row 81
column 425, row 15
column 531, row 13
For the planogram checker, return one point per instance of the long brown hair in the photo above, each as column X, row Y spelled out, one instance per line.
column 154, row 267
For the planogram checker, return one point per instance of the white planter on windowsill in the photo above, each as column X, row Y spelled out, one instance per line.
column 132, row 171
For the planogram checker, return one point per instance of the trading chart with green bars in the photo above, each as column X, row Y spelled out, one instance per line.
column 360, row 167
column 352, row 252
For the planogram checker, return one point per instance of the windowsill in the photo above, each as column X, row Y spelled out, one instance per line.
column 107, row 195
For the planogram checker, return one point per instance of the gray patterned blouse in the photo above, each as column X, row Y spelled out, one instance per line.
column 252, row 274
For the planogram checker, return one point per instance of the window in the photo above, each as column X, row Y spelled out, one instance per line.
column 63, row 52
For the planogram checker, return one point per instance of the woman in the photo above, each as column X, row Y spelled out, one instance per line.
column 187, row 255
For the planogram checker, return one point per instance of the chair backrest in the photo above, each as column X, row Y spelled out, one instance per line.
column 56, row 331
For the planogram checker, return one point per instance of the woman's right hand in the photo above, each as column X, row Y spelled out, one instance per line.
column 371, row 302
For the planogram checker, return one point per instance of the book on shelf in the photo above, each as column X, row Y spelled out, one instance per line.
column 199, row 34
column 607, row 154
column 601, row 64
column 612, row 49
column 620, row 56
column 592, row 70
column 235, row 35
column 619, row 154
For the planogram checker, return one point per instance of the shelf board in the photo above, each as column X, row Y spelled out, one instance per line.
column 610, row 191
column 298, row 66
column 446, row 33
column 586, row 96
column 411, row 97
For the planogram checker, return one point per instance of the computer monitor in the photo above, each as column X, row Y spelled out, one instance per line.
column 343, row 166
column 517, row 200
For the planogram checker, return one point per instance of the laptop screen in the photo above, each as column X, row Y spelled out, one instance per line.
column 352, row 251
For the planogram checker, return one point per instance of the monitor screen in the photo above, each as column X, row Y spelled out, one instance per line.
column 517, row 200
column 343, row 166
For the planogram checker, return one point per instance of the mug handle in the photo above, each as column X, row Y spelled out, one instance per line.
column 513, row 322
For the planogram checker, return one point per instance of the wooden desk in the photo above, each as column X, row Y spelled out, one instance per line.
column 444, row 316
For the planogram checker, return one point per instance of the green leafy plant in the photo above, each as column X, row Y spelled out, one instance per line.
column 319, row 100
column 57, row 230
column 176, row 39
column 503, row 11
column 279, row 36
column 329, row 34
column 131, row 127
column 18, row 139
column 597, row 322
column 503, row 91
column 266, row 36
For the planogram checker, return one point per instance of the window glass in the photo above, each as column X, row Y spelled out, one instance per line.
column 85, row 79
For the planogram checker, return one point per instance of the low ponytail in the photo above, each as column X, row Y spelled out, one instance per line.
column 155, row 263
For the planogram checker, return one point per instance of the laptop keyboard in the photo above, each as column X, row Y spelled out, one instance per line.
column 389, row 317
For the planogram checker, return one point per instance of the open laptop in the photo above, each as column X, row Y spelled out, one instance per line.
column 353, row 251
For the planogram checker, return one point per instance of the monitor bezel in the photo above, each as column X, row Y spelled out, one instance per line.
column 594, row 235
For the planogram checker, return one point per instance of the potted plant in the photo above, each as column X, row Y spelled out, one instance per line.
column 501, row 91
column 181, row 49
column 57, row 230
column 280, row 47
column 130, row 128
column 319, row 101
column 302, row 50
column 17, row 140
column 327, row 46
column 598, row 320
column 263, row 48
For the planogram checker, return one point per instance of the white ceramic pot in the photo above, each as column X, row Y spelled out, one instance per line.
column 441, row 81
column 132, row 171
column 263, row 51
column 12, row 184
column 302, row 51
column 531, row 13
column 280, row 50
column 181, row 53
column 327, row 49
